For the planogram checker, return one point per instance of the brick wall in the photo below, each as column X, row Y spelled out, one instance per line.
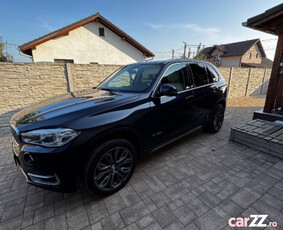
column 25, row 83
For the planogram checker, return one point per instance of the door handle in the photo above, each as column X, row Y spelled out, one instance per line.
column 189, row 97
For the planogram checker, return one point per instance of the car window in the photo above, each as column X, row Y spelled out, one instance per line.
column 212, row 75
column 133, row 78
column 122, row 81
column 149, row 74
column 176, row 75
column 199, row 74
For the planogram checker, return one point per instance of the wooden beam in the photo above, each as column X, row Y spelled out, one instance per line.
column 278, row 99
column 279, row 96
column 274, row 78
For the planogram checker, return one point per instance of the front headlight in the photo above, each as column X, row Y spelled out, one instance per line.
column 49, row 137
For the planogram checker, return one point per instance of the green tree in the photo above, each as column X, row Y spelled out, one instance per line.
column 3, row 58
column 199, row 55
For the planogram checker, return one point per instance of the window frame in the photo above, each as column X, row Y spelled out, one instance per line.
column 192, row 75
column 63, row 60
column 207, row 69
column 189, row 75
column 163, row 74
column 101, row 31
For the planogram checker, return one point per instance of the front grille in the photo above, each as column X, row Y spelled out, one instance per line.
column 15, row 133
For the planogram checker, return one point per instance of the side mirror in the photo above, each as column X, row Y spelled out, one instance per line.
column 167, row 90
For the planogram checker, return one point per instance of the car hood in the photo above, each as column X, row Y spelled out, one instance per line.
column 69, row 106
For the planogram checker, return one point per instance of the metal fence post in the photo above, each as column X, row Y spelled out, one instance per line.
column 69, row 77
column 229, row 81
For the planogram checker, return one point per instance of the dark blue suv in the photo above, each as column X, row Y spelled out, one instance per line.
column 100, row 133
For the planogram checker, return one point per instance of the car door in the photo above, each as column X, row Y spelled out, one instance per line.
column 171, row 115
column 203, row 92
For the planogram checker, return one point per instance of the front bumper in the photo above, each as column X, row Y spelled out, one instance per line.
column 48, row 168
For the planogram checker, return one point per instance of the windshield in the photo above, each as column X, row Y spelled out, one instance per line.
column 133, row 78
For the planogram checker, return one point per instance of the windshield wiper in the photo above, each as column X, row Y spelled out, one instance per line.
column 106, row 89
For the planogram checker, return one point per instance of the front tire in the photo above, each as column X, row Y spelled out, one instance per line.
column 110, row 167
column 216, row 119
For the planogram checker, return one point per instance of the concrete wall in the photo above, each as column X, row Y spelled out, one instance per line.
column 246, row 81
column 25, row 83
column 84, row 45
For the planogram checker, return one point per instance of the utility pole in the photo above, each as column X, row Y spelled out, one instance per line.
column 173, row 52
column 185, row 50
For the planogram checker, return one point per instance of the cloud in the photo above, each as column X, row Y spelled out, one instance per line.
column 194, row 27
column 155, row 26
column 45, row 25
column 200, row 29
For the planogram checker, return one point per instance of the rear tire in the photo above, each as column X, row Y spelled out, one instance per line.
column 216, row 119
column 110, row 167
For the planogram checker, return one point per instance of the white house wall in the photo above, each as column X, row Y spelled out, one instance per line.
column 84, row 45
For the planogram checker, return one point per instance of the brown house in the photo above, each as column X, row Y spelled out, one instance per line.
column 238, row 54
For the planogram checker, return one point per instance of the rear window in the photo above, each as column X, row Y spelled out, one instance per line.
column 212, row 75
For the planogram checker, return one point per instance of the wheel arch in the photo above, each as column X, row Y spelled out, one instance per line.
column 126, row 133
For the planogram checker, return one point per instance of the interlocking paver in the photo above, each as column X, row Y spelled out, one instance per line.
column 145, row 221
column 56, row 222
column 160, row 199
column 129, row 195
column 153, row 226
column 11, row 224
column 210, row 220
column 96, row 211
column 176, row 225
column 12, row 212
column 113, row 222
column 134, row 213
column 243, row 198
column 164, row 216
column 77, row 218
column 196, row 183
column 185, row 215
column 228, row 209
column 44, row 213
column 273, row 214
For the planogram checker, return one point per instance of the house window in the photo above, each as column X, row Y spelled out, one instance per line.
column 63, row 60
column 217, row 60
column 249, row 55
column 101, row 32
column 256, row 55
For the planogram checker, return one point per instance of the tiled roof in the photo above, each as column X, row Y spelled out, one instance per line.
column 234, row 49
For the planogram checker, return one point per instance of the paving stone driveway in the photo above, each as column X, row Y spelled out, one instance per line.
column 198, row 182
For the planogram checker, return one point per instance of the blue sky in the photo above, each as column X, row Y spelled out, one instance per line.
column 160, row 25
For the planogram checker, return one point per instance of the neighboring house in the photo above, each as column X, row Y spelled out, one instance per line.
column 90, row 40
column 239, row 54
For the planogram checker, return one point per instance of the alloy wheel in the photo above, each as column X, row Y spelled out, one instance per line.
column 218, row 118
column 113, row 168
